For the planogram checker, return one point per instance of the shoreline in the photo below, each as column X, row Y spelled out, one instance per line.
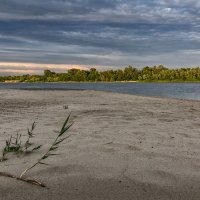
column 162, row 90
column 16, row 82
column 112, row 92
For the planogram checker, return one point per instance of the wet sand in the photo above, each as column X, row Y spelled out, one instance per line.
column 121, row 146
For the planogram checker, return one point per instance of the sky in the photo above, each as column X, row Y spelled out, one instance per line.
column 61, row 34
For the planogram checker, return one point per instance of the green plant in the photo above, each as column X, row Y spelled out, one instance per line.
column 30, row 135
column 27, row 144
column 60, row 138
column 15, row 145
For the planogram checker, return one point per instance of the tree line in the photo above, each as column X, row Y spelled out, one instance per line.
column 147, row 74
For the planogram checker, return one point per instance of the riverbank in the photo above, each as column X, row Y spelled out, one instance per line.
column 121, row 146
column 166, row 90
column 138, row 81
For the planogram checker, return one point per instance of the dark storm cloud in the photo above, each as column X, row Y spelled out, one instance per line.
column 100, row 32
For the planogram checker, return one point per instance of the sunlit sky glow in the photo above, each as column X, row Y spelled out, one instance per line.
column 60, row 34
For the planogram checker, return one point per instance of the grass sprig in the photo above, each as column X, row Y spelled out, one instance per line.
column 15, row 144
column 30, row 135
column 60, row 138
column 16, row 141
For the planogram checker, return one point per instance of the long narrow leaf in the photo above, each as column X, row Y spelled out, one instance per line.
column 53, row 148
column 59, row 141
column 42, row 163
column 53, row 154
column 65, row 129
column 44, row 157
column 36, row 148
column 65, row 122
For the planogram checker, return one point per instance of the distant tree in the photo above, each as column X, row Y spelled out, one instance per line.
column 120, row 75
column 48, row 73
column 93, row 75
column 130, row 73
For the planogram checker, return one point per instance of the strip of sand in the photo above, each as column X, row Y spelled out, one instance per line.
column 121, row 146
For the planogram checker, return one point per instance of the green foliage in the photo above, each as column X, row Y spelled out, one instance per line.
column 30, row 135
column 155, row 73
column 16, row 145
column 59, row 139
column 13, row 144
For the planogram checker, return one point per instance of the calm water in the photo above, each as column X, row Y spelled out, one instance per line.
column 171, row 90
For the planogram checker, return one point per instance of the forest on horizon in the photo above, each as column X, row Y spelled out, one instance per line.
column 147, row 74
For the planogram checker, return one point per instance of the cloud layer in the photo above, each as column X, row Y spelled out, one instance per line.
column 100, row 32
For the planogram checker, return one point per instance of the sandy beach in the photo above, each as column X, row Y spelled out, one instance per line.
column 122, row 147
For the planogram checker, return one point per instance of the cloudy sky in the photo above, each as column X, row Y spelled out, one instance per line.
column 58, row 34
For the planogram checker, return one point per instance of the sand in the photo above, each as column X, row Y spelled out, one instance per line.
column 122, row 147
